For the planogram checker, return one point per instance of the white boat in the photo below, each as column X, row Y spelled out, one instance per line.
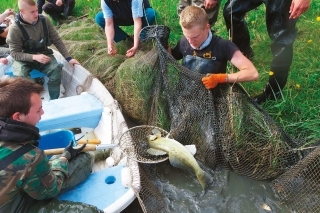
column 87, row 104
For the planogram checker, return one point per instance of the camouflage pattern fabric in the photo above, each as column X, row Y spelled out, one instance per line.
column 31, row 174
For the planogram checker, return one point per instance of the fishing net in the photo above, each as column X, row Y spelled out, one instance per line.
column 228, row 129
column 299, row 187
column 138, row 150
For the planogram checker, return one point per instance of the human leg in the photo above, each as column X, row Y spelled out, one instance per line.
column 183, row 4
column 22, row 69
column 4, row 52
column 53, row 72
column 282, row 31
column 100, row 20
column 53, row 10
column 233, row 13
column 40, row 4
column 149, row 17
column 212, row 13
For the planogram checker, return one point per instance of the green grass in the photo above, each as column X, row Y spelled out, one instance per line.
column 298, row 113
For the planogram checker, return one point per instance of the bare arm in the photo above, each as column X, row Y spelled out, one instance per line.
column 109, row 31
column 137, row 28
column 209, row 4
column 5, row 14
column 247, row 71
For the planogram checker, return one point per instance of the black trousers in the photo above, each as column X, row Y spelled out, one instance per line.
column 281, row 30
column 55, row 11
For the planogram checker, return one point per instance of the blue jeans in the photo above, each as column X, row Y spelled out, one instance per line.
column 119, row 34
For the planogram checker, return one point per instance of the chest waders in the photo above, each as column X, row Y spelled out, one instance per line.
column 52, row 69
column 281, row 30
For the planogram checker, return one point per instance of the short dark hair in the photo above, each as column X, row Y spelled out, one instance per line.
column 15, row 95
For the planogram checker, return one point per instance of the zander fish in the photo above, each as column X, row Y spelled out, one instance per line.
column 179, row 156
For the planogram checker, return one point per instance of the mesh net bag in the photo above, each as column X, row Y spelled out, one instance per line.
column 299, row 187
column 228, row 129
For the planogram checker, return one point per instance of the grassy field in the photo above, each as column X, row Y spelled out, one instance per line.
column 298, row 113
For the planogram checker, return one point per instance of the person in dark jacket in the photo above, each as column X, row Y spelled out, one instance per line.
column 124, row 13
column 26, row 174
column 281, row 18
column 57, row 9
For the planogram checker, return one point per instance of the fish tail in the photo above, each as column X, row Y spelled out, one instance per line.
column 205, row 180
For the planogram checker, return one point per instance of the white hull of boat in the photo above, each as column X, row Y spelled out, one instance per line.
column 109, row 129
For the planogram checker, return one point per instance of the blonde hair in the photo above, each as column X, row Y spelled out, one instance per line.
column 23, row 3
column 193, row 16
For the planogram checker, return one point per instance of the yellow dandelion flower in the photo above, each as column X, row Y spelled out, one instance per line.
column 271, row 73
column 252, row 22
column 298, row 86
column 318, row 18
column 309, row 41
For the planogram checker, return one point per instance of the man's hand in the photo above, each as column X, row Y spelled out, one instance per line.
column 41, row 58
column 73, row 61
column 213, row 80
column 209, row 4
column 8, row 12
column 59, row 3
column 298, row 7
column 131, row 52
column 112, row 50
column 69, row 152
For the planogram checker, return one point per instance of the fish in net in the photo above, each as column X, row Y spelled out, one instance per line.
column 229, row 130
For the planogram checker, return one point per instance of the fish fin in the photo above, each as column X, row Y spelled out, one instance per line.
column 156, row 132
column 152, row 151
column 191, row 148
column 205, row 179
column 178, row 163
column 152, row 137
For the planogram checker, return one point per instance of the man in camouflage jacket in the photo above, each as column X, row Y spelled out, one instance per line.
column 30, row 176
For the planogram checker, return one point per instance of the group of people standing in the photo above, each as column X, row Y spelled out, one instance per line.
column 31, row 34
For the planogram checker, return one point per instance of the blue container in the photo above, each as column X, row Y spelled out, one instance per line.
column 54, row 140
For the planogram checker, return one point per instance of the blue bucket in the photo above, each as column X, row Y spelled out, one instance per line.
column 54, row 140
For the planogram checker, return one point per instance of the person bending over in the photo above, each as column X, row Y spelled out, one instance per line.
column 124, row 13
column 206, row 53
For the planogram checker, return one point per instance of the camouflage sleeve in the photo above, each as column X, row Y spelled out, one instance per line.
column 47, row 178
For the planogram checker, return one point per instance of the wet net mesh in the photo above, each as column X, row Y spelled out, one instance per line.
column 299, row 186
column 229, row 130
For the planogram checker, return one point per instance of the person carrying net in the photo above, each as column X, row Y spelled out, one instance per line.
column 206, row 53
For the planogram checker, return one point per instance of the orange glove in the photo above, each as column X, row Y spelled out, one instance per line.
column 213, row 80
